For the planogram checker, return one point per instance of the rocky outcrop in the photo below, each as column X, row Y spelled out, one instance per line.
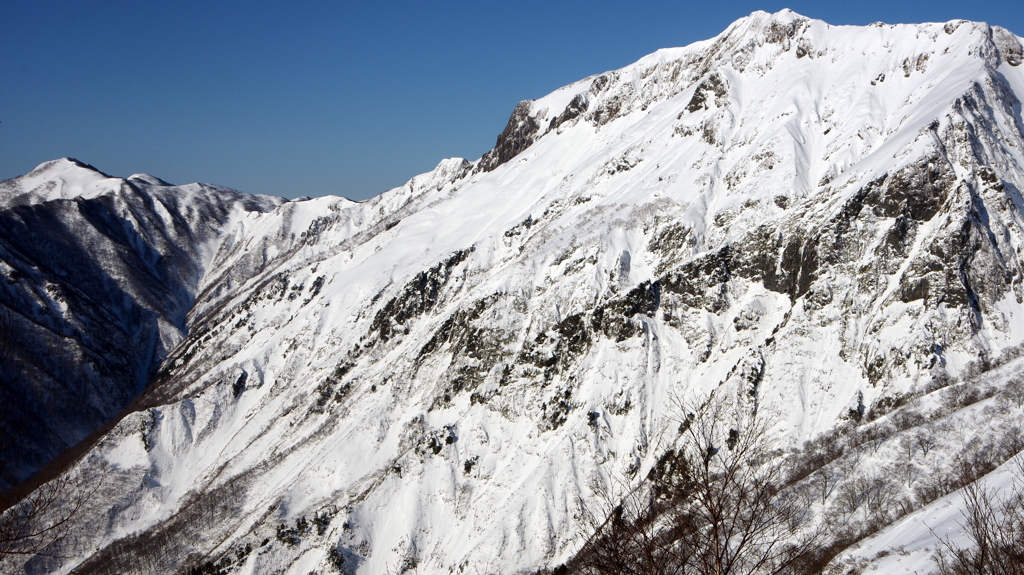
column 521, row 131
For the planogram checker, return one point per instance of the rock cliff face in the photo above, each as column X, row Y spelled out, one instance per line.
column 813, row 220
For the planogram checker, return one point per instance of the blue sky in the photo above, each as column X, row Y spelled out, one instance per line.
column 324, row 97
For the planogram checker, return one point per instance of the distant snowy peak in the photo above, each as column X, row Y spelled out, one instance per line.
column 68, row 179
column 62, row 179
column 148, row 179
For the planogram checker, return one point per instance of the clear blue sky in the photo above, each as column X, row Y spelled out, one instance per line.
column 325, row 97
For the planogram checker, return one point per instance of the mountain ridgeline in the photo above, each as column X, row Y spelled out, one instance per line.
column 820, row 226
column 98, row 275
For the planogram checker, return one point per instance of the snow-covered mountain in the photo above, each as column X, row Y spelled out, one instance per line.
column 820, row 222
column 97, row 276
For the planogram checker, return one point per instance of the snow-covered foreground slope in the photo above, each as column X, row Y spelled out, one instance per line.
column 813, row 220
column 910, row 545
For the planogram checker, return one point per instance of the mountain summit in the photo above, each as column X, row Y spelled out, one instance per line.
column 822, row 223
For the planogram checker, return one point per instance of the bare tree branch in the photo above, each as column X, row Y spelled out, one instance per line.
column 32, row 524
column 713, row 504
column 994, row 527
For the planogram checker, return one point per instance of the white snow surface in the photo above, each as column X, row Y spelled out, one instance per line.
column 910, row 545
column 434, row 456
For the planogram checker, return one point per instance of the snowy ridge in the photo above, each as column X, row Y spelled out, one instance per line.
column 98, row 274
column 812, row 220
column 65, row 178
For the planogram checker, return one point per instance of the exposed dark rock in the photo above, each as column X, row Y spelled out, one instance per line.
column 417, row 297
column 1009, row 46
column 475, row 345
column 520, row 133
column 623, row 163
column 520, row 228
column 607, row 110
column 557, row 409
column 239, row 384
column 790, row 263
column 713, row 88
column 701, row 283
column 599, row 84
column 435, row 441
column 558, row 349
column 780, row 32
column 751, row 369
column 896, row 244
column 670, row 244
column 575, row 339
column 918, row 190
column 804, row 48
column 643, row 299
column 576, row 107
column 616, row 319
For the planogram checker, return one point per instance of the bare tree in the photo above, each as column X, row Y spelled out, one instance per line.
column 994, row 526
column 636, row 536
column 925, row 441
column 826, row 481
column 714, row 504
column 44, row 517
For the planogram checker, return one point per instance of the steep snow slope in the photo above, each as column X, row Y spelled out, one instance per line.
column 97, row 275
column 809, row 219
